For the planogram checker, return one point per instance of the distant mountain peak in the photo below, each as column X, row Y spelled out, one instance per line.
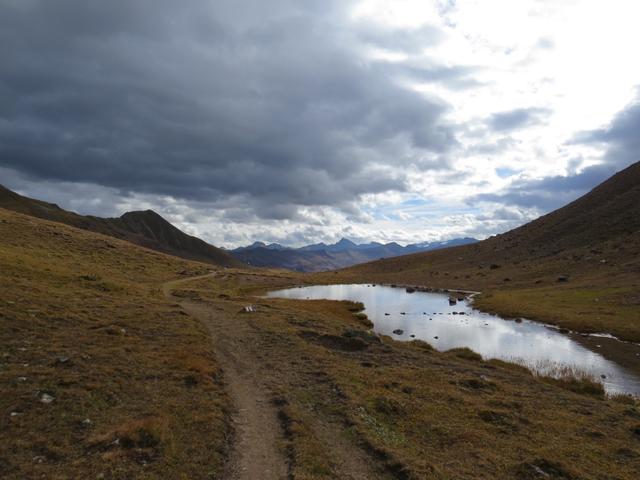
column 320, row 256
column 344, row 241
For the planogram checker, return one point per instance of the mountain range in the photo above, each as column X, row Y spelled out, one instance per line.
column 321, row 257
column 150, row 230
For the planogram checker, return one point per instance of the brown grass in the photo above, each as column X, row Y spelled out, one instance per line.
column 135, row 388
column 418, row 412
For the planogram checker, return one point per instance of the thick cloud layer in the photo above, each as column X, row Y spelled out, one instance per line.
column 270, row 102
column 305, row 121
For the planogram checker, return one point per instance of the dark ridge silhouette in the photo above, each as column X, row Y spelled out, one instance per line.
column 144, row 228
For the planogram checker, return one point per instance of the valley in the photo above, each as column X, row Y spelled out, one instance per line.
column 311, row 240
column 121, row 361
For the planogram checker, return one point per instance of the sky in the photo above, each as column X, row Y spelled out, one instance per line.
column 296, row 121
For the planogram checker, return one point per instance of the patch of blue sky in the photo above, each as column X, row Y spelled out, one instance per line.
column 505, row 172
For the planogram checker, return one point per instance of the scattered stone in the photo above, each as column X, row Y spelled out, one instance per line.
column 398, row 331
column 452, row 301
column 563, row 279
column 62, row 362
column 46, row 398
column 494, row 266
column 538, row 471
column 410, row 290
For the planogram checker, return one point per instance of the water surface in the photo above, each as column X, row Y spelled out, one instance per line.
column 430, row 317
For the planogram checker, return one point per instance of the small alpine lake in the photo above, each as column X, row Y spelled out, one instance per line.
column 408, row 315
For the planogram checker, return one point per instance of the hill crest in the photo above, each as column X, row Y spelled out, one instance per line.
column 144, row 227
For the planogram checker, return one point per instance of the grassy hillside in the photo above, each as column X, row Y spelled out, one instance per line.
column 578, row 267
column 99, row 373
column 144, row 228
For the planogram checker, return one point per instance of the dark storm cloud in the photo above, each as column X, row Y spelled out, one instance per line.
column 549, row 193
column 269, row 101
column 621, row 137
column 516, row 119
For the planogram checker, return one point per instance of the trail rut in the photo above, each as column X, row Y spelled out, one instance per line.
column 259, row 447
column 256, row 452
